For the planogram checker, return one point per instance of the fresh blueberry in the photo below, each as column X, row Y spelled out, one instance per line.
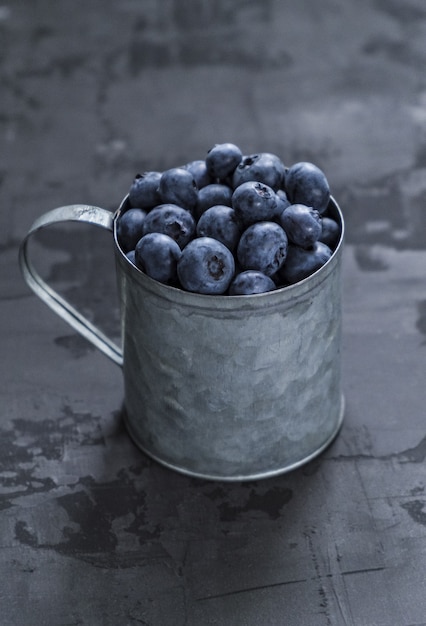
column 302, row 224
column 157, row 256
column 171, row 220
column 177, row 186
column 301, row 263
column 206, row 266
column 305, row 183
column 131, row 256
column 255, row 202
column 220, row 222
column 283, row 201
column 263, row 167
column 198, row 169
column 143, row 192
column 330, row 232
column 222, row 159
column 215, row 193
column 263, row 247
column 130, row 228
column 250, row 282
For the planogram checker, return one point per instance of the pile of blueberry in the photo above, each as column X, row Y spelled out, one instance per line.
column 229, row 224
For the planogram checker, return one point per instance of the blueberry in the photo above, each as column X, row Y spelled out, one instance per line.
column 215, row 193
column 171, row 220
column 305, row 183
column 254, row 202
column 302, row 224
column 195, row 225
column 301, row 263
column 263, row 167
column 220, row 222
column 222, row 159
column 131, row 256
column 330, row 232
column 198, row 169
column 130, row 228
column 143, row 192
column 250, row 282
column 206, row 266
column 263, row 247
column 177, row 186
column 283, row 201
column 157, row 256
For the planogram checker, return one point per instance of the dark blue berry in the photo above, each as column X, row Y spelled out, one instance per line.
column 131, row 256
column 171, row 220
column 220, row 222
column 222, row 159
column 206, row 266
column 305, row 183
column 302, row 224
column 143, row 192
column 251, row 282
column 330, row 232
column 130, row 228
column 263, row 167
column 301, row 263
column 255, row 202
column 282, row 200
column 157, row 256
column 177, row 186
column 263, row 247
column 198, row 169
column 215, row 193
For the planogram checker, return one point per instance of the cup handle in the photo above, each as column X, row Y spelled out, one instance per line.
column 70, row 213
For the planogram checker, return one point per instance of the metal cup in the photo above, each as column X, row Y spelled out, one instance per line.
column 219, row 387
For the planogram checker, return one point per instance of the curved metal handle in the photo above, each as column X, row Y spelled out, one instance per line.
column 71, row 213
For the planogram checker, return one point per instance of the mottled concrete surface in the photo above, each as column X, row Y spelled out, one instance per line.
column 92, row 531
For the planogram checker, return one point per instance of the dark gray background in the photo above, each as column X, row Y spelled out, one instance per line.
column 94, row 533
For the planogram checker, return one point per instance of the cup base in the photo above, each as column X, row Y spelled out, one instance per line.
column 241, row 477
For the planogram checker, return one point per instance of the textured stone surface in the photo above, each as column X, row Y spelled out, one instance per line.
column 95, row 533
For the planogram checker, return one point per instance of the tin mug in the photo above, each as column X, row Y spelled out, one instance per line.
column 218, row 387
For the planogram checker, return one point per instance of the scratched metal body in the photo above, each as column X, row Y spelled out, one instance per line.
column 227, row 388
